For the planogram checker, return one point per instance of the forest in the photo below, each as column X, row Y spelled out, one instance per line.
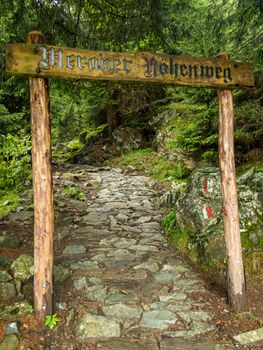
column 151, row 144
column 81, row 110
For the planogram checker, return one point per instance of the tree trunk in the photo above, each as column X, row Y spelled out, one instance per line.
column 236, row 278
column 43, row 192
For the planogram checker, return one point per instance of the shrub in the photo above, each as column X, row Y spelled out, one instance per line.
column 15, row 161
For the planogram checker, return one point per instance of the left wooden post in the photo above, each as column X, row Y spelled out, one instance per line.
column 43, row 191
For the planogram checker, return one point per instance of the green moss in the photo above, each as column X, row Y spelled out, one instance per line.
column 8, row 202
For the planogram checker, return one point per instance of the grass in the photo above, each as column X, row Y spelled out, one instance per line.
column 148, row 162
column 8, row 202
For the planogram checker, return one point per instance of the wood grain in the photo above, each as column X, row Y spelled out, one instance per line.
column 51, row 61
column 43, row 193
column 236, row 278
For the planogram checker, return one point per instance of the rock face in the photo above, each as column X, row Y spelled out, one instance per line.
column 128, row 138
column 198, row 211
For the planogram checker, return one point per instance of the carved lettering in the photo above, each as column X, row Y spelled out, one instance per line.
column 218, row 71
column 163, row 68
column 93, row 64
column 81, row 61
column 44, row 63
column 125, row 65
column 183, row 70
column 172, row 67
column 227, row 74
column 70, row 59
column 116, row 63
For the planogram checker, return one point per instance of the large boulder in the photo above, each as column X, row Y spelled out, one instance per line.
column 199, row 212
column 127, row 138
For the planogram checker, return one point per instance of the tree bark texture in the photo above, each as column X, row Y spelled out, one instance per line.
column 43, row 192
column 236, row 278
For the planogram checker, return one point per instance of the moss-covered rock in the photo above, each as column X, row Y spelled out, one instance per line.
column 198, row 211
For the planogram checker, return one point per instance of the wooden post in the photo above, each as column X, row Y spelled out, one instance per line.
column 43, row 191
column 236, row 278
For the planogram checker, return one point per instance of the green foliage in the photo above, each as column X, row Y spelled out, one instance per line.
column 74, row 192
column 8, row 202
column 147, row 161
column 15, row 161
column 51, row 321
column 30, row 309
column 169, row 222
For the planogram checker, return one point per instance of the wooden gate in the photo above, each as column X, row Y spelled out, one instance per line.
column 40, row 61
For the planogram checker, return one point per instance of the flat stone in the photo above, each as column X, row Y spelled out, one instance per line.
column 143, row 219
column 74, row 249
column 178, row 344
column 195, row 329
column 128, row 344
column 153, row 267
column 131, row 229
column 96, row 219
column 121, row 217
column 166, row 277
column 23, row 267
column 10, row 342
column 121, row 311
column 99, row 258
column 93, row 326
column 160, row 319
column 147, row 248
column 178, row 306
column 190, row 316
column 118, row 264
column 249, row 337
column 124, row 243
column 176, row 269
column 96, row 293
column 118, row 252
column 22, row 216
column 84, row 265
column 173, row 297
column 80, row 283
column 7, row 291
column 123, row 298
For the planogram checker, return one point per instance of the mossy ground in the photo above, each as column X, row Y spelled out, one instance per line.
column 148, row 162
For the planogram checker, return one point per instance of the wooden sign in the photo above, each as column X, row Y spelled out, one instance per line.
column 51, row 61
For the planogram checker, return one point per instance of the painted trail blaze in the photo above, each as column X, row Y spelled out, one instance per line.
column 48, row 61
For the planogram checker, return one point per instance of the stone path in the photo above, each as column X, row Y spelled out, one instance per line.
column 137, row 291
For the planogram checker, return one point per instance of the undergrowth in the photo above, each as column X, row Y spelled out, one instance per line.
column 148, row 162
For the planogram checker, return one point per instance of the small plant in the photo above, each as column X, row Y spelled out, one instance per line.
column 30, row 309
column 74, row 192
column 169, row 222
column 51, row 321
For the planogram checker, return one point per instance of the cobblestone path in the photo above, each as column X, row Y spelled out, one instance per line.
column 137, row 292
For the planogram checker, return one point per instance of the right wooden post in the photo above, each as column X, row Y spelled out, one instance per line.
column 236, row 277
